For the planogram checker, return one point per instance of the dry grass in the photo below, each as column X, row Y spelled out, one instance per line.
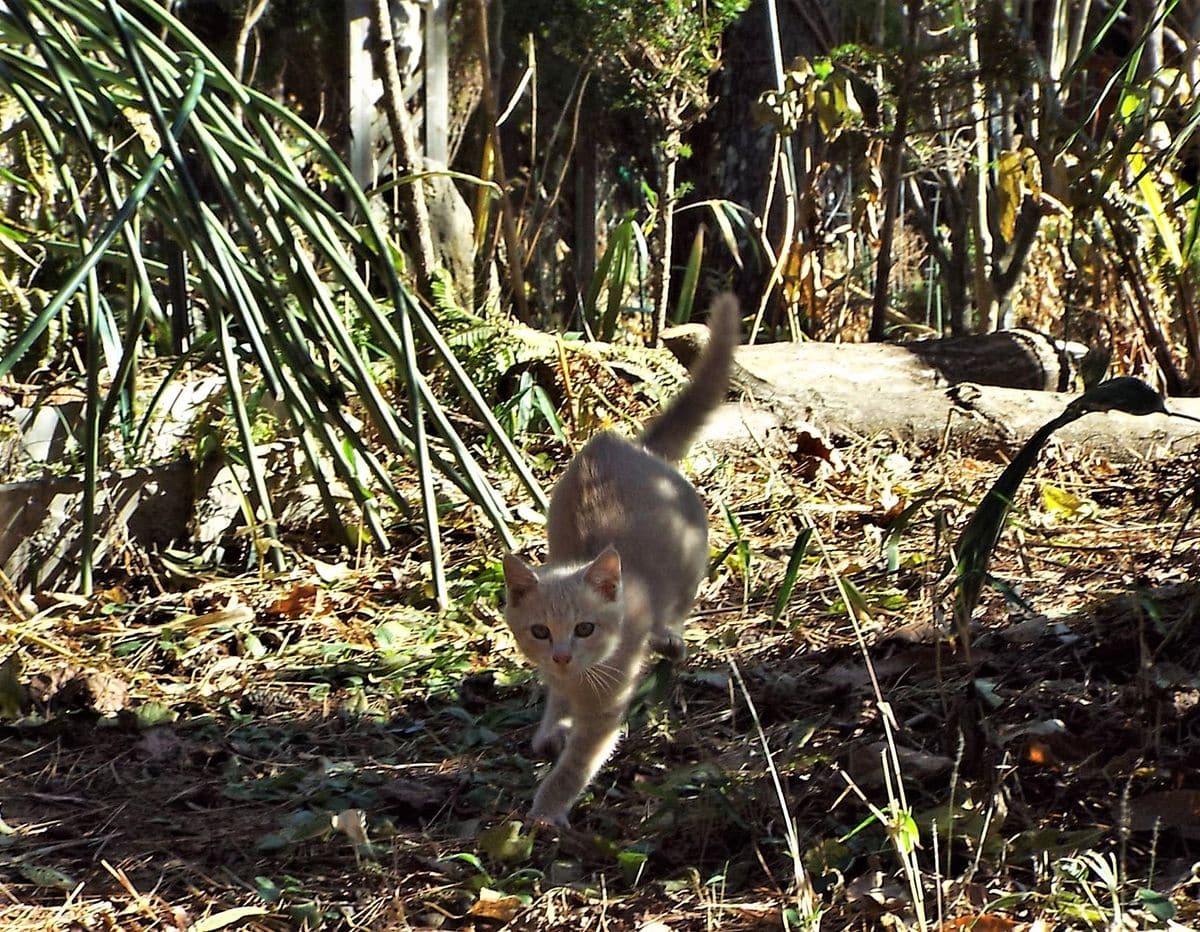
column 183, row 753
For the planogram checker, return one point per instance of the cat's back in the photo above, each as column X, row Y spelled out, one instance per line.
column 615, row 492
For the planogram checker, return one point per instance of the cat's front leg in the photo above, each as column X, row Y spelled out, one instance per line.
column 668, row 643
column 552, row 733
column 589, row 744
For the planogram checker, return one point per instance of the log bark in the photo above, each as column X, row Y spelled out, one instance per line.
column 1007, row 358
column 864, row 390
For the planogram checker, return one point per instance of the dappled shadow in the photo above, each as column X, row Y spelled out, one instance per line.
column 200, row 764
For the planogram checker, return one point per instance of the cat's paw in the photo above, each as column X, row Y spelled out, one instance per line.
column 551, row 819
column 669, row 644
column 548, row 741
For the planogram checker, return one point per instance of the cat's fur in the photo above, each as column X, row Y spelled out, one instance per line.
column 628, row 547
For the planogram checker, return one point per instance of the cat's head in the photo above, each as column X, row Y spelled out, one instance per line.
column 567, row 620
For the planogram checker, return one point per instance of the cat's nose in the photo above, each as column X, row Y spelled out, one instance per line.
column 562, row 658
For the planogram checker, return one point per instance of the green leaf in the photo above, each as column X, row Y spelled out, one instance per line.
column 153, row 713
column 1163, row 222
column 1157, row 905
column 904, row 830
column 47, row 877
column 631, row 864
column 788, row 586
column 268, row 891
column 691, row 277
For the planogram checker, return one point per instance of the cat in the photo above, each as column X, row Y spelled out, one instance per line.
column 628, row 547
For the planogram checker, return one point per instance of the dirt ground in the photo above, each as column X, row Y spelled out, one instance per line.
column 321, row 750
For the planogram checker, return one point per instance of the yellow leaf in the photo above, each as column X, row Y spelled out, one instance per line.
column 1010, row 177
column 506, row 842
column 1065, row 504
column 228, row 917
column 1148, row 186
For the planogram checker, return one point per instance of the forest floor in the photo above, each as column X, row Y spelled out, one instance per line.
column 319, row 749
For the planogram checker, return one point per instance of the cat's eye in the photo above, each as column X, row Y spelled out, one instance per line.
column 584, row 628
column 541, row 632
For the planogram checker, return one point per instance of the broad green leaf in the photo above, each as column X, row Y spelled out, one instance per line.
column 788, row 585
column 1157, row 905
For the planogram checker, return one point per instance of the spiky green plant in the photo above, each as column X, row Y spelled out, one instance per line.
column 974, row 548
column 154, row 141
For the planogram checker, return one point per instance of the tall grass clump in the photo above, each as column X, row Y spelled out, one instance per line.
column 160, row 154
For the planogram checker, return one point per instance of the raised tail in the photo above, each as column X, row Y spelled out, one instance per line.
column 670, row 434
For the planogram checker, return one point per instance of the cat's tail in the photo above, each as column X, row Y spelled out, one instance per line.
column 671, row 433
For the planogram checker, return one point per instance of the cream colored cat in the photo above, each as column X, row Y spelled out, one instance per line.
column 628, row 547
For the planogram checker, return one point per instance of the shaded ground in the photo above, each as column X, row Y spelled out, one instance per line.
column 185, row 753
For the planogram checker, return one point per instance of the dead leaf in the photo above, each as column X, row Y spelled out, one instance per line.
column 12, row 693
column 114, row 596
column 228, row 917
column 353, row 824
column 1056, row 749
column 871, row 888
column 232, row 614
column 495, row 905
column 864, row 764
column 416, row 799
column 110, row 693
column 814, row 454
column 331, row 572
column 302, row 599
column 68, row 687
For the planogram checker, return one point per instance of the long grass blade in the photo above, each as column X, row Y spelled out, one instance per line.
column 691, row 278
column 788, row 585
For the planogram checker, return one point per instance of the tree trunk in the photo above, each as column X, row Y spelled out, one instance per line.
column 894, row 177
column 408, row 162
column 508, row 223
column 981, row 232
column 667, row 218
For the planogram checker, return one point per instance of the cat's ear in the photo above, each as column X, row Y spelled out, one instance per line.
column 604, row 574
column 519, row 578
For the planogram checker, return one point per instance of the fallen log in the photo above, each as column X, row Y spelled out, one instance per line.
column 863, row 390
column 1007, row 358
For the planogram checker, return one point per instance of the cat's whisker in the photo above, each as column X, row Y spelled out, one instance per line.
column 604, row 675
column 593, row 681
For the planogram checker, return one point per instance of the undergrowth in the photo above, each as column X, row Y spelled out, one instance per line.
column 321, row 749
